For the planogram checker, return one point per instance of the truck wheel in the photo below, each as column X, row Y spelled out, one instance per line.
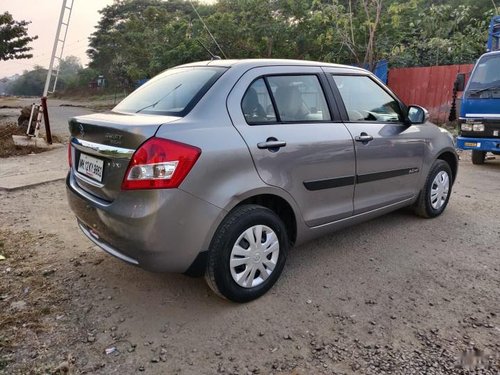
column 435, row 195
column 247, row 253
column 478, row 157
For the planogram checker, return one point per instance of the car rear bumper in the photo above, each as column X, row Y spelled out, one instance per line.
column 160, row 230
column 479, row 144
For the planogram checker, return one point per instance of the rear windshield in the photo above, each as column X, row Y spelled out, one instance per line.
column 173, row 92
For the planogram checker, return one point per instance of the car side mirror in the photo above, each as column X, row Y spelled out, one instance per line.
column 459, row 84
column 417, row 115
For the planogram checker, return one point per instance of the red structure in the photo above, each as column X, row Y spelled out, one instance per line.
column 430, row 87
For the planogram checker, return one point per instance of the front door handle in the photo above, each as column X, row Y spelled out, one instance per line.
column 272, row 144
column 364, row 138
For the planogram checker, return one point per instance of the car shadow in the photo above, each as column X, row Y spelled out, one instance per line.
column 158, row 291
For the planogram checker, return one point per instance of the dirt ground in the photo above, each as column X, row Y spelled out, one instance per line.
column 396, row 295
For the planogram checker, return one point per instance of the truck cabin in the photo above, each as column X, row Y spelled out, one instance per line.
column 479, row 122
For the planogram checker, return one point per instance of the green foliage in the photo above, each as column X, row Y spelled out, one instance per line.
column 440, row 34
column 140, row 38
column 30, row 83
column 137, row 39
column 68, row 72
column 14, row 38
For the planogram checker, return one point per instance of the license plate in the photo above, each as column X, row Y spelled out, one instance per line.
column 91, row 167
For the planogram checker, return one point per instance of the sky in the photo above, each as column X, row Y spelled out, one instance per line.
column 44, row 15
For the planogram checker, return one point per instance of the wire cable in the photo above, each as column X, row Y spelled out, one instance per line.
column 206, row 28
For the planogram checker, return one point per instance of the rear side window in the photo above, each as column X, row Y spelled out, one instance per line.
column 293, row 98
column 257, row 105
column 173, row 92
column 365, row 101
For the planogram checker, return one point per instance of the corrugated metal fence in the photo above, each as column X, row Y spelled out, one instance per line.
column 430, row 87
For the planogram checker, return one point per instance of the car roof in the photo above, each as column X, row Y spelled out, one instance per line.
column 254, row 63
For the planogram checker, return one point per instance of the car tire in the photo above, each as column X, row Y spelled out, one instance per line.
column 434, row 197
column 478, row 157
column 241, row 266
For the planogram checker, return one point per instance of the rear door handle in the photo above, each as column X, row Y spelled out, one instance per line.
column 363, row 137
column 272, row 144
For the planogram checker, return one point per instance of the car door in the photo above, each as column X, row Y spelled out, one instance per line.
column 296, row 141
column 389, row 152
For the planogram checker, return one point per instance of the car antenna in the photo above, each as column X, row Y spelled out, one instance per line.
column 208, row 31
column 214, row 57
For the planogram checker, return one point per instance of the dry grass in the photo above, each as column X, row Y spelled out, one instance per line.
column 7, row 146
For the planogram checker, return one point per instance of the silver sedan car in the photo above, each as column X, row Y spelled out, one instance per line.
column 217, row 168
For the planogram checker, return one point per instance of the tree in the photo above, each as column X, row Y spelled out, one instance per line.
column 139, row 38
column 439, row 35
column 30, row 83
column 14, row 38
column 69, row 69
column 69, row 66
column 358, row 31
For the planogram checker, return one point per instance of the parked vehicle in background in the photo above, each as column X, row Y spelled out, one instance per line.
column 479, row 122
column 219, row 167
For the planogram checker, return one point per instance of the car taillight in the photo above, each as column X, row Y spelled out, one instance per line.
column 160, row 164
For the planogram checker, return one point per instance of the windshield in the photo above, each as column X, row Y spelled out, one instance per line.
column 173, row 92
column 486, row 76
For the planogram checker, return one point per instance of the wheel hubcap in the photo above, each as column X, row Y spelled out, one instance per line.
column 439, row 190
column 254, row 256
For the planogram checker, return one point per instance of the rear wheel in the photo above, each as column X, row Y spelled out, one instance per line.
column 478, row 157
column 247, row 253
column 435, row 195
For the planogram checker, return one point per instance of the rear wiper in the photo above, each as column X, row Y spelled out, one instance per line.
column 159, row 100
column 494, row 87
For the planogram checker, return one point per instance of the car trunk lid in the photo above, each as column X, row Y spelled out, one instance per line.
column 102, row 145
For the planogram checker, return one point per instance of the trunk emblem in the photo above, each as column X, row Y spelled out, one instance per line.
column 113, row 139
column 82, row 131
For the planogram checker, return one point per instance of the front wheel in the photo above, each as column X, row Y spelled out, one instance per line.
column 478, row 157
column 435, row 195
column 247, row 253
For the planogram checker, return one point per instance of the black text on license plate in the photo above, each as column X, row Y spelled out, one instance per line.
column 91, row 167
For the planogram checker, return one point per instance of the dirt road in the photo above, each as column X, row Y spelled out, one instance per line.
column 59, row 111
column 398, row 295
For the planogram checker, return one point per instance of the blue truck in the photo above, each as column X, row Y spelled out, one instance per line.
column 479, row 121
